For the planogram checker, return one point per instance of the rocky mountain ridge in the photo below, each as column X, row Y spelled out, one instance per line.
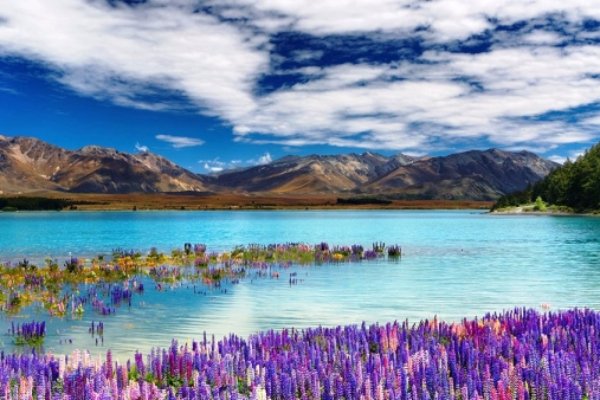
column 29, row 165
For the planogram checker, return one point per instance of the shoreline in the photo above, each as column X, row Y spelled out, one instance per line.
column 235, row 202
column 521, row 210
column 262, row 209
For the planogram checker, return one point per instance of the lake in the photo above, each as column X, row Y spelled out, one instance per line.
column 455, row 264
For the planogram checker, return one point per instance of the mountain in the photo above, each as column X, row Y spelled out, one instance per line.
column 312, row 174
column 476, row 175
column 473, row 175
column 575, row 185
column 29, row 164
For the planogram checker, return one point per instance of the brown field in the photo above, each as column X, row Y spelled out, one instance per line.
column 242, row 201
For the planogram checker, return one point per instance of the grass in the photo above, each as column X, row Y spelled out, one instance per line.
column 36, row 341
column 535, row 208
column 204, row 201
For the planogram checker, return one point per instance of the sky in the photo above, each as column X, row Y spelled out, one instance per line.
column 222, row 84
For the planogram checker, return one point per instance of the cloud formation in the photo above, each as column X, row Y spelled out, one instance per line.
column 377, row 74
column 141, row 148
column 179, row 142
column 124, row 53
column 217, row 165
column 264, row 159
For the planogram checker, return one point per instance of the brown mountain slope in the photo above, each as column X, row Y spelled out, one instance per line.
column 477, row 175
column 311, row 174
column 28, row 164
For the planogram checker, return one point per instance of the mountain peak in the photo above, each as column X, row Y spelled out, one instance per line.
column 98, row 150
column 29, row 164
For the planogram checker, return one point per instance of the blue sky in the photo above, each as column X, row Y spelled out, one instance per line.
column 221, row 84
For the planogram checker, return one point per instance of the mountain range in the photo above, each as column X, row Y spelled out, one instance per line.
column 30, row 165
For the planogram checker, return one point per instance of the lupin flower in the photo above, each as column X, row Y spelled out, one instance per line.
column 497, row 357
column 28, row 333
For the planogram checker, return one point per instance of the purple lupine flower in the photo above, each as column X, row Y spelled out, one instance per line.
column 518, row 354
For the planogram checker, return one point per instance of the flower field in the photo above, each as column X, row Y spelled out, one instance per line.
column 519, row 354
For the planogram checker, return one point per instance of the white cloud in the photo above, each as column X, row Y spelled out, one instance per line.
column 542, row 38
column 217, row 165
column 211, row 167
column 445, row 19
column 359, row 106
column 557, row 158
column 113, row 52
column 571, row 155
column 594, row 120
column 141, row 148
column 264, row 159
column 130, row 55
column 179, row 142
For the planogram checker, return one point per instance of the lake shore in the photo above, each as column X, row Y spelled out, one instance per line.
column 528, row 210
column 234, row 201
column 523, row 211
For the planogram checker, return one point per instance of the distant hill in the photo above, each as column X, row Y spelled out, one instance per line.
column 475, row 175
column 472, row 175
column 30, row 165
column 313, row 174
column 574, row 184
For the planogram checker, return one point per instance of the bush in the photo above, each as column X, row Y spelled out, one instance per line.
column 539, row 204
column 38, row 203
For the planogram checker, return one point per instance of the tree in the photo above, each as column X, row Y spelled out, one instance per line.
column 575, row 184
column 539, row 204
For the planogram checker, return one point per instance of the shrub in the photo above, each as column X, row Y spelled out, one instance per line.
column 539, row 204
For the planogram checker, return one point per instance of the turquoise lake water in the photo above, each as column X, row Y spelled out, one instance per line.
column 455, row 264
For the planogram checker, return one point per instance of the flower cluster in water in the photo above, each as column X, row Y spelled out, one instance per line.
column 518, row 355
column 108, row 283
column 28, row 333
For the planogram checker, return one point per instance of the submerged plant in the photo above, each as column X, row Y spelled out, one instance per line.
column 58, row 289
column 28, row 333
column 394, row 251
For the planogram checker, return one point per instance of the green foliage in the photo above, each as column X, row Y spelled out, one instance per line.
column 575, row 185
column 243, row 388
column 363, row 200
column 15, row 300
column 514, row 199
column 51, row 264
column 373, row 347
column 539, row 204
column 37, row 203
column 133, row 373
column 72, row 266
column 25, row 265
column 32, row 342
column 154, row 254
